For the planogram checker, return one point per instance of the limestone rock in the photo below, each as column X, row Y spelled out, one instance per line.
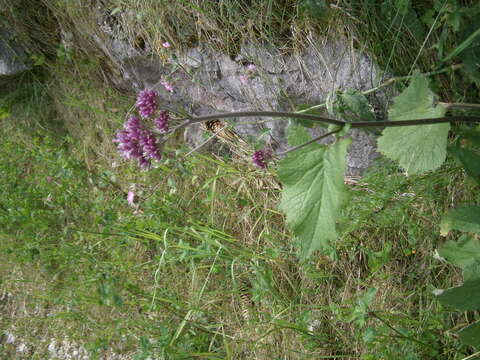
column 13, row 59
column 207, row 82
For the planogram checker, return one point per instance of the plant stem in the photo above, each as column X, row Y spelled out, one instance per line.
column 372, row 313
column 315, row 118
column 473, row 356
column 307, row 143
column 460, row 106
column 389, row 82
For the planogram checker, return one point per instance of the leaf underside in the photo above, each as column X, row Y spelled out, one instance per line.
column 313, row 190
column 418, row 148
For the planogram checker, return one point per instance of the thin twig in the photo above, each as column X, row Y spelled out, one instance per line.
column 389, row 82
column 473, row 356
column 200, row 146
column 308, row 142
column 460, row 106
column 372, row 313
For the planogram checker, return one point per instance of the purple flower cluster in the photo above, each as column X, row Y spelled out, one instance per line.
column 136, row 142
column 161, row 122
column 260, row 158
column 146, row 103
column 128, row 139
column 148, row 141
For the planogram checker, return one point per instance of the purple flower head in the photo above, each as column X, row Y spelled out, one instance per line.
column 260, row 158
column 161, row 122
column 166, row 44
column 149, row 145
column 252, row 67
column 127, row 146
column 135, row 141
column 146, row 102
column 167, row 85
column 128, row 139
column 133, row 127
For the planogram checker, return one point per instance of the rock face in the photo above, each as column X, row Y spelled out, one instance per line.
column 12, row 57
column 258, row 78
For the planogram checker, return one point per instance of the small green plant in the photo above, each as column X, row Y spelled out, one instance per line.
column 415, row 137
column 465, row 253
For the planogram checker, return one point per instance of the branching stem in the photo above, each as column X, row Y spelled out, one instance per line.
column 375, row 315
column 358, row 125
column 389, row 82
column 361, row 124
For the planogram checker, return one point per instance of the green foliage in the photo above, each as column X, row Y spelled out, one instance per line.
column 463, row 219
column 465, row 44
column 317, row 9
column 466, row 254
column 350, row 105
column 469, row 41
column 360, row 311
column 470, row 334
column 376, row 259
column 163, row 282
column 467, row 151
column 417, row 148
column 469, row 159
column 462, row 252
column 314, row 192
column 463, row 297
column 307, row 123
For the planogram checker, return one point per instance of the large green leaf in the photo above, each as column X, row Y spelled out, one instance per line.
column 418, row 148
column 465, row 297
column 472, row 271
column 467, row 151
column 470, row 335
column 469, row 159
column 472, row 136
column 313, row 190
column 461, row 253
column 463, row 219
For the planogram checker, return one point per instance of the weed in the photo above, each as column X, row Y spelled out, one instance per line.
column 203, row 266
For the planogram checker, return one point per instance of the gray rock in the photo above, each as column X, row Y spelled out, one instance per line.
column 209, row 82
column 13, row 59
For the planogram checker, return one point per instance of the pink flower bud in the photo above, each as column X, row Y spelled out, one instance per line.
column 167, row 85
column 131, row 198
column 243, row 79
